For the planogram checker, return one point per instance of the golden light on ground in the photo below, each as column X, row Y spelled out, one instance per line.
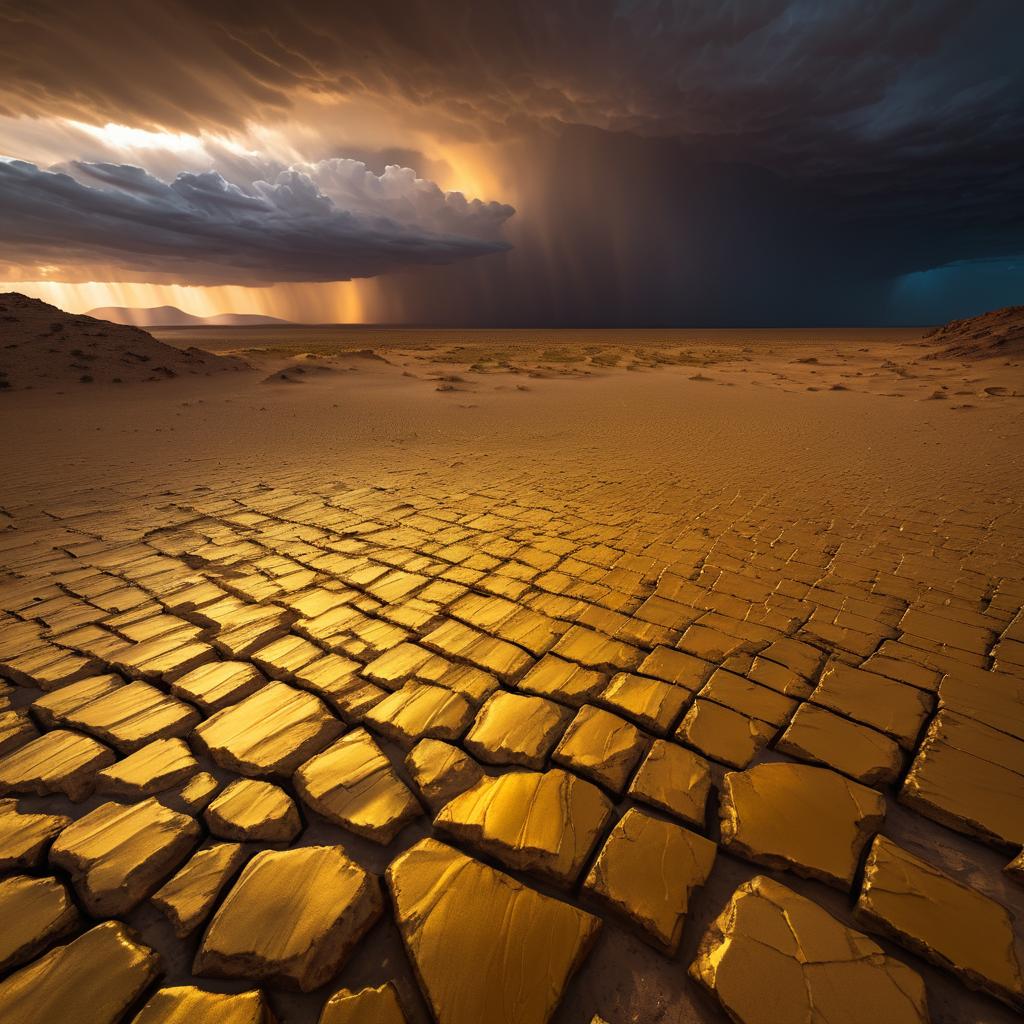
column 591, row 651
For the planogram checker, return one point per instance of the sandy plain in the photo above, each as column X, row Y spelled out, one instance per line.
column 815, row 486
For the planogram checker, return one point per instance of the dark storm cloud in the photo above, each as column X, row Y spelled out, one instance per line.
column 324, row 222
column 825, row 88
column 687, row 161
column 676, row 241
column 916, row 103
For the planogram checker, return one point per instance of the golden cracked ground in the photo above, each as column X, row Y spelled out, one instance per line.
column 710, row 712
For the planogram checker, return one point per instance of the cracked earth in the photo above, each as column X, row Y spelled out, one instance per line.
column 625, row 698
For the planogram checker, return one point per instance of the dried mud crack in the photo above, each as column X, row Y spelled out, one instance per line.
column 592, row 712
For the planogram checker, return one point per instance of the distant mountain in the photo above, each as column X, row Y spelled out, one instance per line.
column 171, row 316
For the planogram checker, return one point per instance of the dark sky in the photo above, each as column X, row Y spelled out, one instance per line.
column 757, row 162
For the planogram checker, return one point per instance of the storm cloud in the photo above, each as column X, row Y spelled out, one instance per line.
column 329, row 221
column 824, row 88
column 671, row 161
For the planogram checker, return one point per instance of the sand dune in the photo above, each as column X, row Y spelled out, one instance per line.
column 997, row 333
column 42, row 346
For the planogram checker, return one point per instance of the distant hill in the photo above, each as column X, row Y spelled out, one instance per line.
column 998, row 333
column 171, row 316
column 42, row 346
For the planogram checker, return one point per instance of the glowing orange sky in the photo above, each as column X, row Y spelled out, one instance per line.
column 353, row 302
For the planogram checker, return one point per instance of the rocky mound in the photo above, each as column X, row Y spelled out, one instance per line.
column 42, row 346
column 999, row 333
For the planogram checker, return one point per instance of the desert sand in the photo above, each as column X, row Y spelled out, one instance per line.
column 41, row 346
column 805, row 547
